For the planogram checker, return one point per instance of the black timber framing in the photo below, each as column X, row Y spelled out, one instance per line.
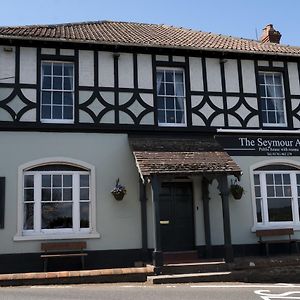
column 157, row 252
column 2, row 202
column 16, row 124
column 224, row 192
column 206, row 217
column 143, row 202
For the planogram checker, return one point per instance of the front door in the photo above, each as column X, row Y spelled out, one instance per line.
column 176, row 216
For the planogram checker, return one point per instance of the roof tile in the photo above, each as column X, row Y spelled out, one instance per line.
column 139, row 34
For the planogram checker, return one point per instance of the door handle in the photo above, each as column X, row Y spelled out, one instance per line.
column 164, row 222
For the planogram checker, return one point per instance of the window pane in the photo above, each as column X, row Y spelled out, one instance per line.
column 84, row 194
column 170, row 103
column 28, row 181
column 46, row 69
column 46, row 180
column 161, row 103
column 269, row 178
column 57, row 180
column 46, row 98
column 161, row 116
column 46, row 112
column 170, row 89
column 67, row 180
column 170, row 116
column 46, row 195
column 28, row 216
column 257, row 191
column 258, row 210
column 256, row 179
column 46, row 84
column 28, row 195
column 56, row 195
column 68, row 70
column 57, row 112
column 84, row 180
column 68, row 83
column 57, row 98
column 68, row 112
column 68, row 98
column 169, row 76
column 57, row 215
column 67, row 194
column 179, row 117
column 57, row 83
column 179, row 76
column 84, row 215
column 57, row 69
column 280, row 209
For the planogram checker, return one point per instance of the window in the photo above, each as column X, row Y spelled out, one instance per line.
column 57, row 200
column 171, row 102
column 57, row 92
column 277, row 195
column 272, row 99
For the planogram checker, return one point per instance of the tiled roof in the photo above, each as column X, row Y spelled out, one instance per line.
column 139, row 34
column 181, row 156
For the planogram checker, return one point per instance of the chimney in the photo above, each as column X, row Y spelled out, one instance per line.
column 270, row 35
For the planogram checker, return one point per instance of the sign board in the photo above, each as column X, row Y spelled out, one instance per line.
column 260, row 145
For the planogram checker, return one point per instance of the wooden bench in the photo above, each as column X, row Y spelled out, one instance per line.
column 66, row 249
column 266, row 235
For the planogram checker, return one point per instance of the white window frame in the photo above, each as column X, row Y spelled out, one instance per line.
column 52, row 120
column 40, row 234
column 265, row 224
column 165, row 124
column 283, row 99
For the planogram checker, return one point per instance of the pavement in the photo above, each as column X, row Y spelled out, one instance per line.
column 77, row 277
column 247, row 269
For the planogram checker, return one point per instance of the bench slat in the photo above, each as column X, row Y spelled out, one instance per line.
column 274, row 232
column 63, row 246
column 63, row 255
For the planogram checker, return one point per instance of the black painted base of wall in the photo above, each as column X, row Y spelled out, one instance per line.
column 31, row 262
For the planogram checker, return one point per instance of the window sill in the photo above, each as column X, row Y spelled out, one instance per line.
column 296, row 227
column 73, row 236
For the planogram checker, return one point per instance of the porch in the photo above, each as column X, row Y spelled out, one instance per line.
column 168, row 164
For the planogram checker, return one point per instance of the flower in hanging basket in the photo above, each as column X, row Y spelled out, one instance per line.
column 236, row 190
column 119, row 191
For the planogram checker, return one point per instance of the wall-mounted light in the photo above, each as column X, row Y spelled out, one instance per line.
column 223, row 61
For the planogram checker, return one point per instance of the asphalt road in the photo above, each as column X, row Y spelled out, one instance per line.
column 152, row 292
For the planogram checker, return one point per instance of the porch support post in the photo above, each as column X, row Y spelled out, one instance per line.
column 224, row 191
column 205, row 198
column 157, row 253
column 143, row 201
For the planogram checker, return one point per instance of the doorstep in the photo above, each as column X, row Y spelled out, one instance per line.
column 77, row 277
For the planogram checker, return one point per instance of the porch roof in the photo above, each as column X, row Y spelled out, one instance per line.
column 181, row 155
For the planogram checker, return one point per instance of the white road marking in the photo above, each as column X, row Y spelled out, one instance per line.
column 278, row 285
column 50, row 286
column 266, row 295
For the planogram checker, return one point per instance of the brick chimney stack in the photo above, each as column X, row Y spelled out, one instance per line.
column 270, row 35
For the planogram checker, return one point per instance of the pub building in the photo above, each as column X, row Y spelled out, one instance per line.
column 135, row 137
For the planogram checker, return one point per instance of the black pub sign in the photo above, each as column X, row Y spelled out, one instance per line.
column 260, row 146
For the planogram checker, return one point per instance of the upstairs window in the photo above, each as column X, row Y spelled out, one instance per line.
column 272, row 99
column 57, row 92
column 171, row 97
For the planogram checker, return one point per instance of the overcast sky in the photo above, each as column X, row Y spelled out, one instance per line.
column 240, row 18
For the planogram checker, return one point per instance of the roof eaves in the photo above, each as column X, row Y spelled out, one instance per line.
column 221, row 50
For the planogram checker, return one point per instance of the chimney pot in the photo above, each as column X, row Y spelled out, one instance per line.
column 270, row 35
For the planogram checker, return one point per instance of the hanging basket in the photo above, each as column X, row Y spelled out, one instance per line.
column 237, row 191
column 119, row 191
column 118, row 195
